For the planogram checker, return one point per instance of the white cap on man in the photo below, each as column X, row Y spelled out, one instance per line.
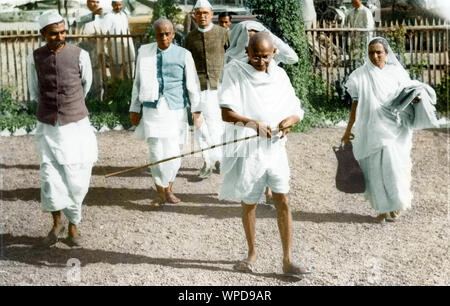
column 49, row 17
column 202, row 4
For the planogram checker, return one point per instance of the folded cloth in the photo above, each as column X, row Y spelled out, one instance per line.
column 420, row 115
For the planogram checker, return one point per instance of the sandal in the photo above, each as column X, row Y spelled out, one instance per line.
column 381, row 218
column 52, row 237
column 395, row 214
column 73, row 242
column 296, row 271
column 244, row 266
column 157, row 202
column 171, row 198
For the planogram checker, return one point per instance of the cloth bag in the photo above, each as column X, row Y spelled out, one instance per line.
column 349, row 176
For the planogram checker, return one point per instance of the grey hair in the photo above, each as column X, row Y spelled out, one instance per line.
column 382, row 41
column 162, row 20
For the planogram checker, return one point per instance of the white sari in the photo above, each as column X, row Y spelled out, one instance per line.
column 381, row 145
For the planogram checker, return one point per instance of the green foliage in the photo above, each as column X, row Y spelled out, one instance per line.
column 443, row 96
column 396, row 37
column 114, row 109
column 416, row 70
column 109, row 119
column 118, row 95
column 168, row 9
column 8, row 105
column 285, row 20
column 14, row 115
column 18, row 121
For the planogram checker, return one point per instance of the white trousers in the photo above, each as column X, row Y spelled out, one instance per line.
column 212, row 128
column 63, row 188
column 160, row 148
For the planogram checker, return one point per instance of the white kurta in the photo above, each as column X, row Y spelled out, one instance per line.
column 120, row 50
column 212, row 128
column 360, row 18
column 66, row 153
column 382, row 146
column 251, row 166
column 163, row 129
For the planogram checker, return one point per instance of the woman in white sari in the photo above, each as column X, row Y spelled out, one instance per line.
column 382, row 145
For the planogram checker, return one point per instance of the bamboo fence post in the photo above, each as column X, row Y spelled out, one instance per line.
column 130, row 62
column 15, row 67
column 7, row 60
column 122, row 47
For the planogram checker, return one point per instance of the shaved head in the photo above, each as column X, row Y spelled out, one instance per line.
column 260, row 51
column 261, row 39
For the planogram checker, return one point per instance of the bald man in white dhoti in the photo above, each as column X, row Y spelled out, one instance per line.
column 59, row 77
column 165, row 81
column 257, row 97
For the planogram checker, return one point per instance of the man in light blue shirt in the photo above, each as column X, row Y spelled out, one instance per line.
column 166, row 80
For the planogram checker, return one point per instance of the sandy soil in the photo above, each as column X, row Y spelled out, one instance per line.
column 196, row 242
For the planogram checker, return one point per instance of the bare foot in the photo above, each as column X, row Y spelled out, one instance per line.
column 171, row 198
column 158, row 201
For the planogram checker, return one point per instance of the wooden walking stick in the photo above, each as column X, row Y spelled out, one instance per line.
column 191, row 153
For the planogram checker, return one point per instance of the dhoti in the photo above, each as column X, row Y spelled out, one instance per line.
column 66, row 155
column 164, row 130
column 212, row 128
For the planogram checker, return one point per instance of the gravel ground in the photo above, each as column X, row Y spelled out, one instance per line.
column 196, row 242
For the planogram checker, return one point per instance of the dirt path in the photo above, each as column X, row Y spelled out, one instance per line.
column 197, row 241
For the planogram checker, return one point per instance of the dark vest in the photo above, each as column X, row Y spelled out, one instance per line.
column 208, row 50
column 61, row 96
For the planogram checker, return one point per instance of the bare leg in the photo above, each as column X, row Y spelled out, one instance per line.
column 161, row 197
column 249, row 222
column 269, row 198
column 57, row 223
column 170, row 197
column 73, row 232
column 284, row 226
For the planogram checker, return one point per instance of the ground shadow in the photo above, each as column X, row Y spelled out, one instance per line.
column 22, row 249
column 210, row 206
column 334, row 217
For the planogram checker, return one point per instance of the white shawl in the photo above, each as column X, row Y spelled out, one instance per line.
column 239, row 40
column 373, row 87
column 267, row 97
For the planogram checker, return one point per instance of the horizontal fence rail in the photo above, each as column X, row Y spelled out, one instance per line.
column 422, row 48
column 112, row 56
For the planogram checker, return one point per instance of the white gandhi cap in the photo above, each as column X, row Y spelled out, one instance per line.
column 49, row 17
column 202, row 4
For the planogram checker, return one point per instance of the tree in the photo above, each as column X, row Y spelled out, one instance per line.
column 285, row 20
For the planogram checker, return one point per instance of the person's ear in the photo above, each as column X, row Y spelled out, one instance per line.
column 274, row 51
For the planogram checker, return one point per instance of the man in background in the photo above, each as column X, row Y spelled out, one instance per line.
column 120, row 50
column 225, row 20
column 207, row 43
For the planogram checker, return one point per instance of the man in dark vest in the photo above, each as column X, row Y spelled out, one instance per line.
column 59, row 76
column 208, row 43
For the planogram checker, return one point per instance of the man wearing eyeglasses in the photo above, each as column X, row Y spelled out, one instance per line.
column 207, row 43
column 59, row 77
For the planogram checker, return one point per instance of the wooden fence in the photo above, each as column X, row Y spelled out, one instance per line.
column 336, row 51
column 423, row 49
column 112, row 58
